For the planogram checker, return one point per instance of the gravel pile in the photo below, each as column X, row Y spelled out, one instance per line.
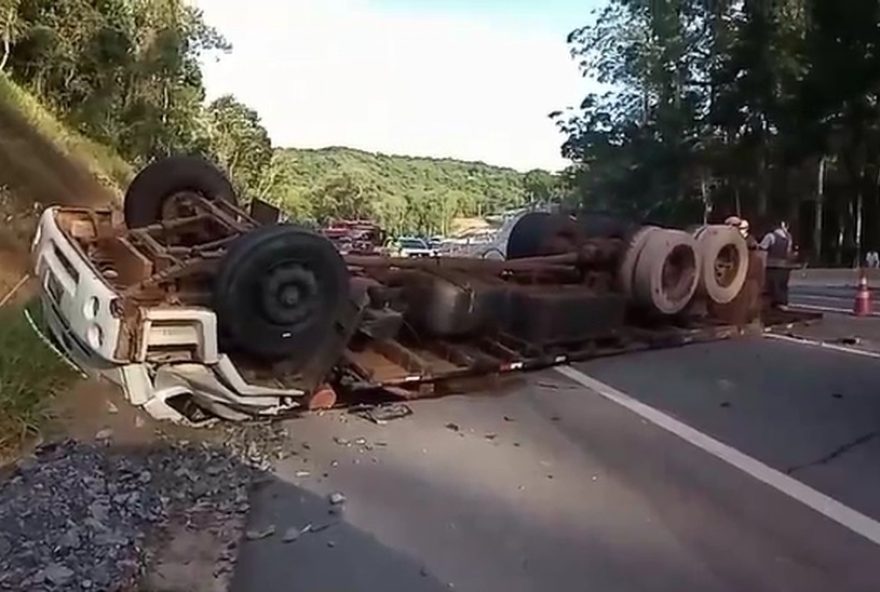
column 78, row 516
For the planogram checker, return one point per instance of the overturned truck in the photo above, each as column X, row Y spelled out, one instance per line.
column 197, row 308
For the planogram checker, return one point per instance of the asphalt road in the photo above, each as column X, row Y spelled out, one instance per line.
column 548, row 485
column 828, row 298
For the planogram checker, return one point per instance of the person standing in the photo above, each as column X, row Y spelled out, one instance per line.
column 777, row 244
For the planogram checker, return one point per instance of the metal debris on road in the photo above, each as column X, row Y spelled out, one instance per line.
column 381, row 414
column 555, row 386
column 293, row 533
column 336, row 498
column 256, row 535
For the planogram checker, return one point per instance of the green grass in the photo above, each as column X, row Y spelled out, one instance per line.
column 101, row 161
column 30, row 373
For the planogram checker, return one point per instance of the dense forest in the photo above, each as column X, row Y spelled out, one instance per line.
column 764, row 108
column 127, row 73
column 402, row 193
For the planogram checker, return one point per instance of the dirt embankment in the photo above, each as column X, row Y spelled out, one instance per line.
column 37, row 170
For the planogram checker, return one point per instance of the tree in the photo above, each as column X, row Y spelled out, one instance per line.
column 751, row 107
column 10, row 28
column 540, row 186
column 240, row 142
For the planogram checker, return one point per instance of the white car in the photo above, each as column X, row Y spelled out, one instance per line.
column 414, row 247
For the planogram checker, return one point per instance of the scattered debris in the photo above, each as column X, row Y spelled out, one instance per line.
column 453, row 426
column 334, row 463
column 380, row 414
column 331, row 544
column 301, row 473
column 104, row 434
column 293, row 533
column 836, row 396
column 508, row 418
column 256, row 535
column 555, row 418
column 112, row 408
column 87, row 516
column 360, row 441
column 555, row 386
column 336, row 498
column 852, row 340
column 341, row 441
column 490, row 436
column 725, row 404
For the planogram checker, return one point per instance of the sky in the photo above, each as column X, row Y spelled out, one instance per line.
column 467, row 79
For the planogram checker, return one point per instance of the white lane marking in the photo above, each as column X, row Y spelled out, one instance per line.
column 823, row 344
column 818, row 297
column 796, row 305
column 825, row 505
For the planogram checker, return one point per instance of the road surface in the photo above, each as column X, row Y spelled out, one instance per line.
column 828, row 298
column 741, row 465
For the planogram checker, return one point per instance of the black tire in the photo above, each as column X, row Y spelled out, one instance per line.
column 164, row 178
column 542, row 233
column 279, row 293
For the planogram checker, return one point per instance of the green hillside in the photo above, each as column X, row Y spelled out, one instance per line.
column 405, row 194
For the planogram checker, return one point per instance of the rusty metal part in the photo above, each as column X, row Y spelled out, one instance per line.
column 324, row 397
column 593, row 252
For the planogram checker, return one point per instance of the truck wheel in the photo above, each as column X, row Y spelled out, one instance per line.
column 153, row 187
column 631, row 257
column 667, row 272
column 725, row 258
column 542, row 233
column 279, row 293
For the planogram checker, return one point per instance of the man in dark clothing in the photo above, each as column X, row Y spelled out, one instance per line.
column 777, row 243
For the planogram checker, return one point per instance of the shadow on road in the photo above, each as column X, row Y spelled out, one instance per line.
column 331, row 555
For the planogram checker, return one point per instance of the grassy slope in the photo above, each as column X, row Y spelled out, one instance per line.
column 42, row 162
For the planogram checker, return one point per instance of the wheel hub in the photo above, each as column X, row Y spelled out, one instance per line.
column 289, row 294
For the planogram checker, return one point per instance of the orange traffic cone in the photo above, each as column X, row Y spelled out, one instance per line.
column 862, row 306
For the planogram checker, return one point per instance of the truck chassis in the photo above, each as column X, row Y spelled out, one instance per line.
column 137, row 305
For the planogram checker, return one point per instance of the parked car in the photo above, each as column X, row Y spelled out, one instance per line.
column 408, row 246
